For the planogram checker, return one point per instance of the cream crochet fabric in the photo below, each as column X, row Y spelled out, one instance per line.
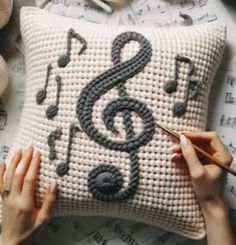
column 93, row 95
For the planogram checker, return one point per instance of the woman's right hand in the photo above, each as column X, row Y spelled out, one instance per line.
column 208, row 182
column 207, row 177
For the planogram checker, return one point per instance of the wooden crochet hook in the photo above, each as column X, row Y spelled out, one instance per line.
column 198, row 149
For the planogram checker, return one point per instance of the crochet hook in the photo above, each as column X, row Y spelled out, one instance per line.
column 198, row 149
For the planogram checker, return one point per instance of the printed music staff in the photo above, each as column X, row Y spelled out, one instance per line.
column 229, row 98
column 228, row 122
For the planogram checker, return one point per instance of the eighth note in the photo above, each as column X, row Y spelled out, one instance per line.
column 53, row 109
column 42, row 95
column 63, row 167
column 64, row 59
column 180, row 108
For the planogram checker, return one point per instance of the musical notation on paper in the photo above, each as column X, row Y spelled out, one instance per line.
column 163, row 13
column 80, row 9
column 232, row 148
column 231, row 80
column 229, row 122
column 229, row 98
column 4, row 152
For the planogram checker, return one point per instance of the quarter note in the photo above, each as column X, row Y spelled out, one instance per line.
column 42, row 94
column 63, row 167
column 53, row 109
column 64, row 59
column 180, row 108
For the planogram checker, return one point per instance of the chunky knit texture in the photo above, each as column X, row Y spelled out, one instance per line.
column 93, row 95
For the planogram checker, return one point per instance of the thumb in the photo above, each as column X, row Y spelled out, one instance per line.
column 195, row 167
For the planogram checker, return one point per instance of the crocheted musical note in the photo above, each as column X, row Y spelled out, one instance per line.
column 180, row 108
column 64, row 60
column 63, row 167
column 42, row 94
column 53, row 109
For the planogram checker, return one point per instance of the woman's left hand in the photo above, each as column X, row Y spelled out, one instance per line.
column 21, row 218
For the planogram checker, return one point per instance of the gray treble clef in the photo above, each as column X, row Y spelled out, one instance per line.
column 105, row 181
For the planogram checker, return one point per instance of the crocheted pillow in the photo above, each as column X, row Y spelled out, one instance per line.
column 93, row 95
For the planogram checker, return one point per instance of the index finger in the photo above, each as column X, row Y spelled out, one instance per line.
column 220, row 150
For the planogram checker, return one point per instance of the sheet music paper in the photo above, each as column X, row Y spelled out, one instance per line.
column 222, row 115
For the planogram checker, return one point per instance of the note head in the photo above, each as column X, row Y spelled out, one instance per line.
column 63, row 61
column 179, row 109
column 51, row 111
column 107, row 179
column 62, row 169
column 170, row 86
column 40, row 96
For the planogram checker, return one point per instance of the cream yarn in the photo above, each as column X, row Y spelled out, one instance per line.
column 117, row 171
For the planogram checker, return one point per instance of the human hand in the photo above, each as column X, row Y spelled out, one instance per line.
column 207, row 177
column 21, row 218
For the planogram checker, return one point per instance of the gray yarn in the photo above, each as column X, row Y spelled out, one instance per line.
column 63, row 167
column 117, row 76
column 180, row 108
column 64, row 60
column 53, row 136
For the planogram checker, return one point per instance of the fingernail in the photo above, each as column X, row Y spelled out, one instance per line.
column 173, row 156
column 20, row 167
column 183, row 141
column 53, row 187
column 36, row 153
